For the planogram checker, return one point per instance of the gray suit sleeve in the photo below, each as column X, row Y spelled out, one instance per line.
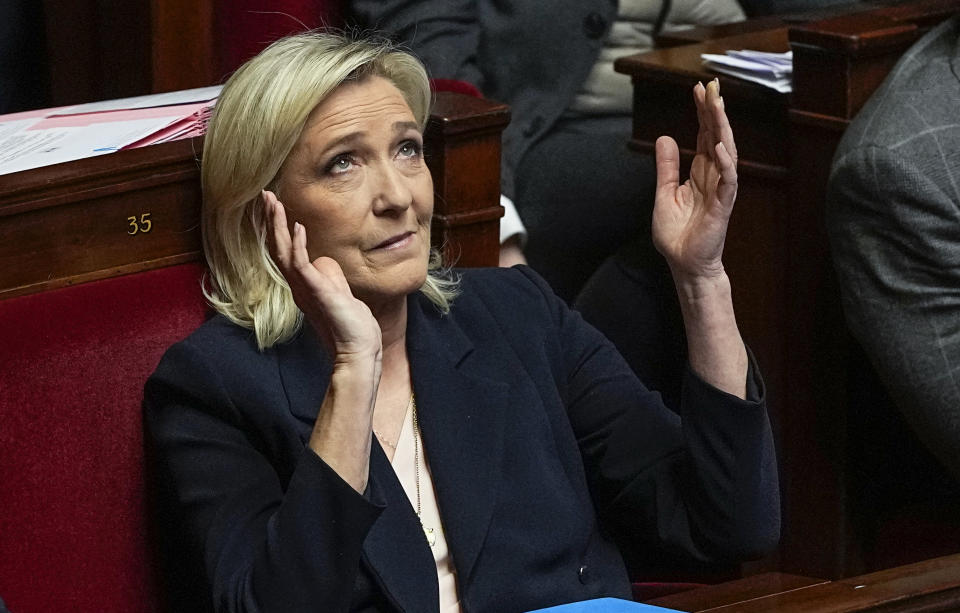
column 444, row 34
column 894, row 226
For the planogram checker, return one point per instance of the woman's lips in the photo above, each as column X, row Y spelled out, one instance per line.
column 395, row 242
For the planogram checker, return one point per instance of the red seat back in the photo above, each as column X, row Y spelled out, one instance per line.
column 246, row 27
column 72, row 501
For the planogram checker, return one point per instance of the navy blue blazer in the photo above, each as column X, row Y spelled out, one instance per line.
column 542, row 443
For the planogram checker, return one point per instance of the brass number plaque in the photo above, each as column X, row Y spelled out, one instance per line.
column 143, row 224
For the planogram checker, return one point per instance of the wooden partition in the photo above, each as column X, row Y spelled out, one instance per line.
column 140, row 209
column 777, row 253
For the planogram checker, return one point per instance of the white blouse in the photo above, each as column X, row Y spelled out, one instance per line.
column 403, row 465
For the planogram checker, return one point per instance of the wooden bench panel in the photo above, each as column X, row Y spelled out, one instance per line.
column 140, row 209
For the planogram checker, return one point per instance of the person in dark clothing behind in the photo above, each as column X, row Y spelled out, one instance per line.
column 23, row 84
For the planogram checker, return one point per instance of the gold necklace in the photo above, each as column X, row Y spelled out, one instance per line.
column 384, row 440
column 428, row 532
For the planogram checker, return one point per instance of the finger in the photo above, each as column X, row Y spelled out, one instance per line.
column 727, row 187
column 704, row 138
column 721, row 125
column 278, row 233
column 300, row 258
column 329, row 268
column 668, row 167
column 320, row 276
column 711, row 95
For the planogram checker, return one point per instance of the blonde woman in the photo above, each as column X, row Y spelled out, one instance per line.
column 360, row 430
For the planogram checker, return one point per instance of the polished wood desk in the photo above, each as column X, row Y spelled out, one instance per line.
column 139, row 209
column 777, row 253
column 931, row 585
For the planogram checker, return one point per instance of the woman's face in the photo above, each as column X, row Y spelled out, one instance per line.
column 357, row 182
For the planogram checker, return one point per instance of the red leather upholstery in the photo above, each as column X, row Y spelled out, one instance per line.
column 246, row 27
column 72, row 506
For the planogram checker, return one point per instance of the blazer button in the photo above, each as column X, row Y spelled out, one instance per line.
column 584, row 574
column 594, row 25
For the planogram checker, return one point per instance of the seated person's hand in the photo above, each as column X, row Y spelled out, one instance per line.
column 511, row 252
column 512, row 235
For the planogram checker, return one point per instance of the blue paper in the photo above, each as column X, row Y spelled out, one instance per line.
column 605, row 605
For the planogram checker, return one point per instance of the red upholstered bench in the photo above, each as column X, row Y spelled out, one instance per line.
column 73, row 521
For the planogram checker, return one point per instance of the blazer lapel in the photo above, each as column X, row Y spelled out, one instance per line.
column 461, row 420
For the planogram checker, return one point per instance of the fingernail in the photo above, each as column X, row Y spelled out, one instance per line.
column 297, row 227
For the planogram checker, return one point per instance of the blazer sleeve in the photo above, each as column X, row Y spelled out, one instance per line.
column 894, row 224
column 702, row 485
column 249, row 525
column 444, row 34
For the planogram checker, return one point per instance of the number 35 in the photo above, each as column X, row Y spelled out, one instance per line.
column 139, row 225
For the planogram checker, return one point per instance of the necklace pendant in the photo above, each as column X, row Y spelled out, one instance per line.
column 431, row 537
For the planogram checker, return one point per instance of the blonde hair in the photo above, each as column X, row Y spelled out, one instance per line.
column 256, row 123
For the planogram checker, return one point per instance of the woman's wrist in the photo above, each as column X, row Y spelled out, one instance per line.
column 715, row 348
column 341, row 434
column 701, row 288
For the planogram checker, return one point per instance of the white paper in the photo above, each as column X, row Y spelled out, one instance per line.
column 187, row 96
column 25, row 148
column 773, row 70
column 757, row 68
column 9, row 128
column 765, row 57
column 783, row 85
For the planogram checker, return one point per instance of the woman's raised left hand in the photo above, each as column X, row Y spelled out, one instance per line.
column 690, row 219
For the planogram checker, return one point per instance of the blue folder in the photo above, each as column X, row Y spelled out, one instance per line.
column 605, row 605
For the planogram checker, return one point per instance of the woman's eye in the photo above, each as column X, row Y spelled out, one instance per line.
column 410, row 149
column 341, row 163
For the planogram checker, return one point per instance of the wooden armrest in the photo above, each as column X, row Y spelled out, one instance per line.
column 463, row 153
column 857, row 50
column 140, row 209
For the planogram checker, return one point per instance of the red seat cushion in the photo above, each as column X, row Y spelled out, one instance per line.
column 74, row 361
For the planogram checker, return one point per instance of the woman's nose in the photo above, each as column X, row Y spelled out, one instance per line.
column 392, row 191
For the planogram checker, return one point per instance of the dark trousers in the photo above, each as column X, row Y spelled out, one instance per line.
column 582, row 195
column 631, row 298
column 587, row 201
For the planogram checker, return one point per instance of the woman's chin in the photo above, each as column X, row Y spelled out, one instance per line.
column 395, row 283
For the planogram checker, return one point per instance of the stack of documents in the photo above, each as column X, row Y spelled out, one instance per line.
column 50, row 136
column 771, row 69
